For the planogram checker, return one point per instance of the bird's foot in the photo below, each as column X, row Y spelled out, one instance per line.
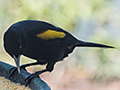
column 36, row 74
column 30, row 77
column 12, row 70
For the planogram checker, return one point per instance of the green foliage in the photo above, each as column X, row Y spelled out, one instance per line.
column 64, row 13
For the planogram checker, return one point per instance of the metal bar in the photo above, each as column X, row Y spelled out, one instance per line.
column 35, row 84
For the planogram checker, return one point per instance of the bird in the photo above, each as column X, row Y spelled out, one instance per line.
column 43, row 42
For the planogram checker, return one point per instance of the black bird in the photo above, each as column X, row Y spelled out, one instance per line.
column 41, row 41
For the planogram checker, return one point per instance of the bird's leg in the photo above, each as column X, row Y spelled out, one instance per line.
column 49, row 68
column 12, row 70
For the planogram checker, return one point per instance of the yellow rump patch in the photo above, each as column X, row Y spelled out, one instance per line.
column 51, row 34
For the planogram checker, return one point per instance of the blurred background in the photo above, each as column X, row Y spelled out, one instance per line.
column 88, row 20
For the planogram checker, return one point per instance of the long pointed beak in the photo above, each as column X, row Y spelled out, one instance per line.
column 17, row 61
column 90, row 44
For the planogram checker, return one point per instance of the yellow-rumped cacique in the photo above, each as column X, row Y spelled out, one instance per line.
column 41, row 41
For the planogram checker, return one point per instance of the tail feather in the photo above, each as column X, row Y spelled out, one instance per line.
column 90, row 44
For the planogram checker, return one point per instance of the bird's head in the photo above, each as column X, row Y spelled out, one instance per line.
column 12, row 46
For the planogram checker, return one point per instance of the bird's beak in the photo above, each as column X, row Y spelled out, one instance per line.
column 17, row 61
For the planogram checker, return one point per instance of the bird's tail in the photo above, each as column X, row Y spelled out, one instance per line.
column 90, row 44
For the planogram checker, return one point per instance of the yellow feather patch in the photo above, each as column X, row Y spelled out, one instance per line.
column 51, row 34
column 70, row 47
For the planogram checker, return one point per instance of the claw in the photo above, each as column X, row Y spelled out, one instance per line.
column 11, row 71
column 36, row 74
column 30, row 77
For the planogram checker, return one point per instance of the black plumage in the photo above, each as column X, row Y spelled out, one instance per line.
column 42, row 42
